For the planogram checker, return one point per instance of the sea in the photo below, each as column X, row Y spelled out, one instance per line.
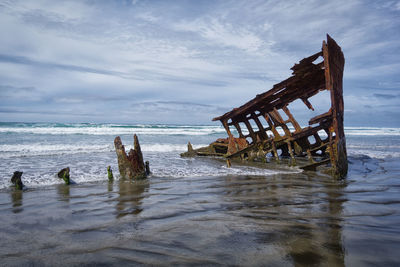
column 192, row 211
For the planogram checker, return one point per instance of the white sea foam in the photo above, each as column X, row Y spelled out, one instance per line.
column 374, row 151
column 39, row 149
column 166, row 130
column 84, row 173
column 372, row 131
column 200, row 170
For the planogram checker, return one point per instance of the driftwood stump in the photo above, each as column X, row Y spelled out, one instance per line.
column 130, row 166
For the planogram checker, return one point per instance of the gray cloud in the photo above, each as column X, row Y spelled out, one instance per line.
column 40, row 64
column 94, row 57
column 387, row 96
column 4, row 88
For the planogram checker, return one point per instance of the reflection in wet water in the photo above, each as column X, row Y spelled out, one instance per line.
column 16, row 199
column 301, row 214
column 63, row 191
column 130, row 197
column 110, row 186
column 300, row 219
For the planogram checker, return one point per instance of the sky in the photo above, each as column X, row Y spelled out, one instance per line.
column 186, row 62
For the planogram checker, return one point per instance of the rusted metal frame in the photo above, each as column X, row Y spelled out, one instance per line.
column 321, row 146
column 317, row 138
column 314, row 165
column 243, row 135
column 315, row 80
column 258, row 99
column 278, row 121
column 266, row 99
column 251, row 131
column 263, row 97
column 306, row 61
column 271, row 140
column 329, row 87
column 295, row 124
column 307, row 70
column 308, row 80
column 285, row 140
column 321, row 117
column 290, row 150
column 306, row 132
column 254, row 135
column 334, row 62
column 272, row 124
column 261, row 131
column 307, row 103
column 237, row 126
column 304, row 135
column 282, row 123
column 226, row 126
column 238, row 153
column 297, row 94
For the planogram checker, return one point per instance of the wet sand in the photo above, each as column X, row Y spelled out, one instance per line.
column 298, row 219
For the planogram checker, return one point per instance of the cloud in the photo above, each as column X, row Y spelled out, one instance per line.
column 224, row 34
column 6, row 89
column 176, row 106
column 50, row 65
column 387, row 96
column 96, row 57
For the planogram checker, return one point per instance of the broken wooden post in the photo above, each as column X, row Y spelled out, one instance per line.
column 190, row 152
column 130, row 166
column 16, row 180
column 110, row 173
column 147, row 167
column 64, row 174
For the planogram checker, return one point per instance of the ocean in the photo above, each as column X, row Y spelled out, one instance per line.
column 192, row 211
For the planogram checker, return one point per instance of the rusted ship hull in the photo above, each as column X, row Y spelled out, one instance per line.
column 267, row 133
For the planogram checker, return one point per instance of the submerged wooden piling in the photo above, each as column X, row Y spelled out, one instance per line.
column 64, row 174
column 110, row 173
column 16, row 180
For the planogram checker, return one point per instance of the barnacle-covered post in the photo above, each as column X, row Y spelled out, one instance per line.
column 64, row 174
column 16, row 180
column 110, row 173
column 130, row 166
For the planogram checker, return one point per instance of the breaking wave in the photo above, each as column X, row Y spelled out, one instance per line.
column 38, row 149
column 148, row 129
column 108, row 129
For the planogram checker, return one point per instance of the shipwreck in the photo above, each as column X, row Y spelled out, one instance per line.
column 264, row 134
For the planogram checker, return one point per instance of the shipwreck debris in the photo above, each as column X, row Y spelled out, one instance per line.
column 64, row 174
column 147, row 167
column 130, row 166
column 262, row 130
column 16, row 180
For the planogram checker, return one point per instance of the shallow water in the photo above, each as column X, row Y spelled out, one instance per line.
column 281, row 219
column 194, row 211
